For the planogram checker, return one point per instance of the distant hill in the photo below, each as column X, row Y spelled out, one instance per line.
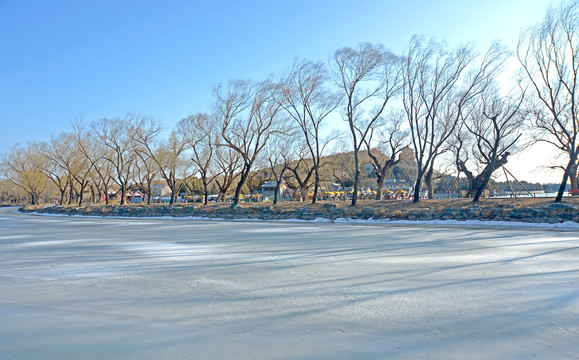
column 404, row 170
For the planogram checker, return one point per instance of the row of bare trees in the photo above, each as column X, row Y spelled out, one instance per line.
column 451, row 105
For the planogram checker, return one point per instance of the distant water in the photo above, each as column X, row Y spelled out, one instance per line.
column 525, row 194
column 503, row 195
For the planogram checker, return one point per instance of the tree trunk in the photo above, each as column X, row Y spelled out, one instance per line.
column 419, row 177
column 316, row 184
column 478, row 194
column 566, row 174
column 70, row 193
column 573, row 176
column 356, row 178
column 62, row 193
column 482, row 180
column 81, row 194
column 123, row 193
column 469, row 177
column 485, row 176
column 149, row 193
column 205, row 191
column 106, row 189
column 244, row 175
column 428, row 183
column 275, row 193
column 99, row 194
column 562, row 187
column 303, row 193
column 478, row 184
column 172, row 184
column 380, row 186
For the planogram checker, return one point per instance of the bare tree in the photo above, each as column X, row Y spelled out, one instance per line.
column 144, row 172
column 308, row 101
column 171, row 162
column 390, row 142
column 279, row 152
column 63, row 153
column 57, row 153
column 89, row 146
column 549, row 55
column 147, row 167
column 24, row 166
column 202, row 138
column 228, row 164
column 168, row 155
column 302, row 171
column 117, row 136
column 66, row 152
column 434, row 97
column 247, row 132
column 369, row 76
column 10, row 193
column 80, row 170
column 488, row 134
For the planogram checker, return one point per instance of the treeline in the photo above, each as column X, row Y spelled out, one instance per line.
column 450, row 105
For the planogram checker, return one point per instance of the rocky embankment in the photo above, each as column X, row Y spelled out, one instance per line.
column 521, row 210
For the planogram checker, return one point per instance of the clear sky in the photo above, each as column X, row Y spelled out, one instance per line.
column 65, row 59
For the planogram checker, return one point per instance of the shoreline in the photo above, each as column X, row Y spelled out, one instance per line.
column 497, row 212
column 567, row 225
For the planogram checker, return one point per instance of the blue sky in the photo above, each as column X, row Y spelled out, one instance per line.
column 63, row 59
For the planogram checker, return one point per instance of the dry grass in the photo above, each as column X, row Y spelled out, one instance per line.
column 434, row 205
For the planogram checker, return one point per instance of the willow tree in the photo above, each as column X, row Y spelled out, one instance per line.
column 58, row 153
column 384, row 145
column 116, row 136
column 24, row 166
column 88, row 145
column 487, row 136
column 167, row 154
column 308, row 101
column 202, row 138
column 438, row 83
column 279, row 153
column 549, row 56
column 248, row 114
column 369, row 77
column 228, row 165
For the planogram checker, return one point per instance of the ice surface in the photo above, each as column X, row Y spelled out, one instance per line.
column 105, row 288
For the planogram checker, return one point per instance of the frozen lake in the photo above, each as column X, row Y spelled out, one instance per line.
column 90, row 288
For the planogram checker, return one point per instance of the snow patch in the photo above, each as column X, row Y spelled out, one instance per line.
column 566, row 224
